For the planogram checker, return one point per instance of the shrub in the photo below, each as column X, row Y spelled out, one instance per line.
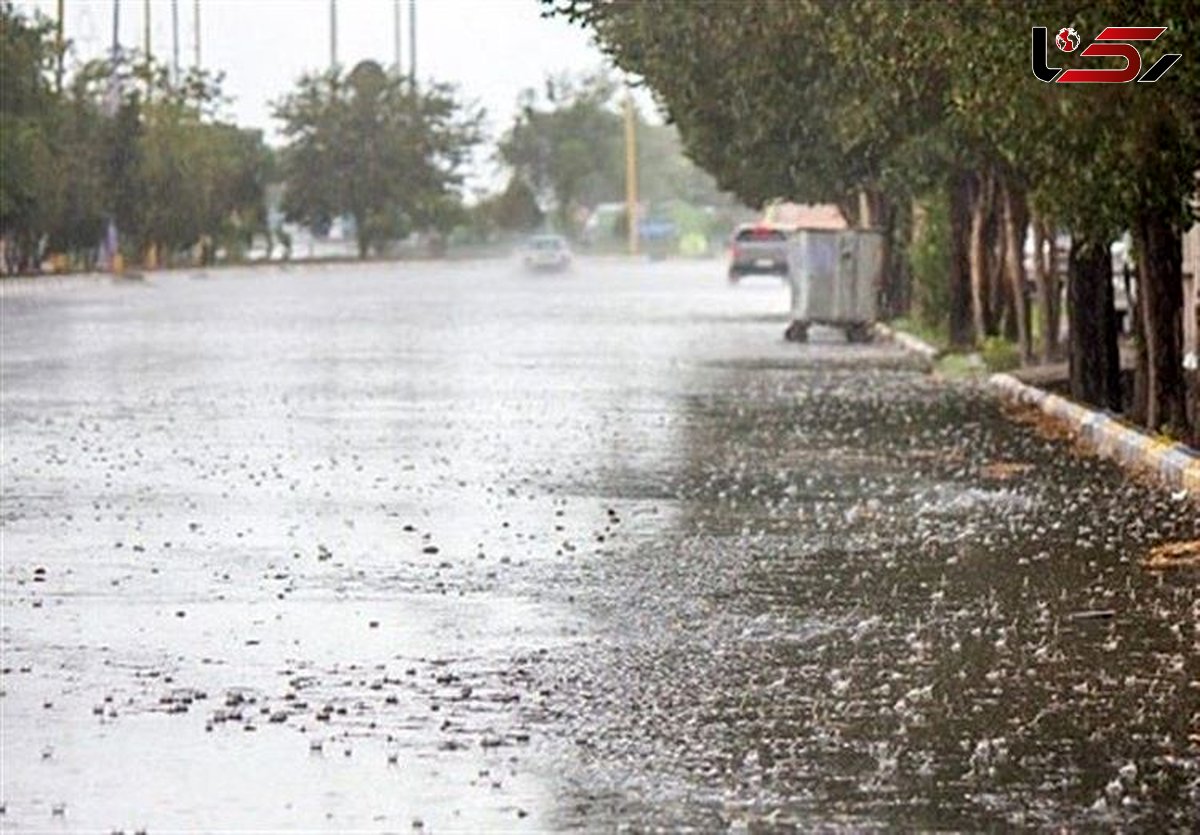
column 930, row 259
column 999, row 354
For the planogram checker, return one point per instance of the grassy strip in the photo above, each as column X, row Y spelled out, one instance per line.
column 994, row 355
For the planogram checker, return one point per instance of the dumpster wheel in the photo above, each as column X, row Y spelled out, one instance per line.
column 797, row 331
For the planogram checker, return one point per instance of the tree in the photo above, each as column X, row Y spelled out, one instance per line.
column 775, row 100
column 80, row 197
column 1162, row 154
column 1129, row 153
column 829, row 101
column 173, row 174
column 567, row 145
column 26, row 144
column 513, row 210
column 375, row 147
column 123, row 142
column 665, row 173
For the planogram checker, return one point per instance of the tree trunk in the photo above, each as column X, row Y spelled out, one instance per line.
column 1004, row 307
column 961, row 335
column 978, row 255
column 362, row 235
column 877, row 213
column 1047, row 291
column 1014, row 246
column 1095, row 373
column 1009, row 327
column 1137, row 326
column 999, row 304
column 1160, row 293
column 900, row 234
column 851, row 206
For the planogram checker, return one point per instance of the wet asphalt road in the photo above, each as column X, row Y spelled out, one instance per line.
column 452, row 547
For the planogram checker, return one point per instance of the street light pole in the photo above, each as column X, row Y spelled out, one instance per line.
column 196, row 32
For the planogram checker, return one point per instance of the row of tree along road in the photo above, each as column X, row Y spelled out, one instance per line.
column 922, row 119
column 925, row 119
column 117, row 146
column 118, row 154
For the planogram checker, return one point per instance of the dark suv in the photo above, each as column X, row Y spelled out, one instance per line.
column 758, row 250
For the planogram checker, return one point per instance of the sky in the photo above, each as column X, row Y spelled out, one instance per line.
column 492, row 49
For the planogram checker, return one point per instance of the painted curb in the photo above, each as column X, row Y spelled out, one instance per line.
column 907, row 341
column 1176, row 465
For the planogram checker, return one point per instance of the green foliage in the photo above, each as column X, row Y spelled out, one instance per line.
column 960, row 365
column 929, row 256
column 567, row 144
column 666, row 175
column 513, row 210
column 823, row 100
column 817, row 99
column 373, row 146
column 120, row 142
column 757, row 92
column 936, row 335
column 999, row 354
column 26, row 140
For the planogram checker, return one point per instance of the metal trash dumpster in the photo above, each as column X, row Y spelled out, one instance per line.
column 835, row 280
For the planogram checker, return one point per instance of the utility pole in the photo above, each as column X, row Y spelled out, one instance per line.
column 412, row 42
column 175, row 41
column 58, row 50
column 333, row 34
column 631, row 187
column 396, row 35
column 196, row 32
column 114, row 60
column 148, row 57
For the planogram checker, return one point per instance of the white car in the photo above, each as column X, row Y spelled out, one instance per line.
column 546, row 252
